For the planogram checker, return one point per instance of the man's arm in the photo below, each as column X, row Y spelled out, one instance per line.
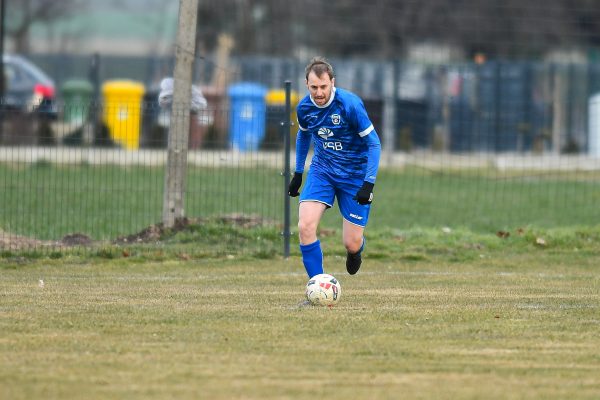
column 302, row 146
column 373, row 156
column 365, row 193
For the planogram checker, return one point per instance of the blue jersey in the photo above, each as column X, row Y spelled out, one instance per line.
column 340, row 133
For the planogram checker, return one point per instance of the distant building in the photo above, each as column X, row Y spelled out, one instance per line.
column 108, row 30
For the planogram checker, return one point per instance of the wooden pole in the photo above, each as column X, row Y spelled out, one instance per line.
column 175, row 176
column 3, row 82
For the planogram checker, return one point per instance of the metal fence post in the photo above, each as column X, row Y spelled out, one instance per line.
column 285, row 131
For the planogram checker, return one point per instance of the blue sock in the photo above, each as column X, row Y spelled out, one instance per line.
column 312, row 257
column 363, row 245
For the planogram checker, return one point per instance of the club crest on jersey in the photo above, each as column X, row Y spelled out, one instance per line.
column 325, row 133
column 336, row 119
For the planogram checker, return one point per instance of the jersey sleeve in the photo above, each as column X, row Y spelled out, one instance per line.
column 367, row 132
column 364, row 126
column 302, row 147
column 301, row 126
column 300, row 111
column 373, row 156
column 303, row 139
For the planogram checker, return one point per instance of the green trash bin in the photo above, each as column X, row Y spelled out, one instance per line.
column 77, row 95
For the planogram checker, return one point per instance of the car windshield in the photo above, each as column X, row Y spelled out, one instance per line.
column 20, row 72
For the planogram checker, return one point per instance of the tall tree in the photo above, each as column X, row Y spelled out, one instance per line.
column 23, row 14
column 384, row 28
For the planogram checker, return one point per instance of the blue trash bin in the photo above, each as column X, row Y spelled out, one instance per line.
column 248, row 115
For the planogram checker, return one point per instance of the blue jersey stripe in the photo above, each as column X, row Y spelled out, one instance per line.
column 366, row 131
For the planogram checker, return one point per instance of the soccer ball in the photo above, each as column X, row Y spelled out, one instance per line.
column 323, row 290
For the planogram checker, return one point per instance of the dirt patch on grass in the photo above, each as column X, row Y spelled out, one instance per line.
column 76, row 239
column 151, row 234
column 13, row 242
column 10, row 241
column 155, row 233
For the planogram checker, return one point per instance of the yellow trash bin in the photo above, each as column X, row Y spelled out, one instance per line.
column 275, row 100
column 122, row 111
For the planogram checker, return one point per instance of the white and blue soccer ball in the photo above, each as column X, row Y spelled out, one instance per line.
column 323, row 290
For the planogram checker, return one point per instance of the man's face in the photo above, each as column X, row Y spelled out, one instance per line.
column 320, row 87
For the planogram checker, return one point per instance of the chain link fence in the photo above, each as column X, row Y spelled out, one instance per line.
column 488, row 147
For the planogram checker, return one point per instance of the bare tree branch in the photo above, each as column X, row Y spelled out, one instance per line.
column 24, row 14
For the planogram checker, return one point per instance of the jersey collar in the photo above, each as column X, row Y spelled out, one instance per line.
column 328, row 103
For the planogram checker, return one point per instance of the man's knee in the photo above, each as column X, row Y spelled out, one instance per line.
column 307, row 230
column 353, row 244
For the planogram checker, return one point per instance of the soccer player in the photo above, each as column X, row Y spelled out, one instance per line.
column 344, row 165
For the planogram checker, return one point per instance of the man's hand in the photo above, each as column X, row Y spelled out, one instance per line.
column 365, row 195
column 295, row 184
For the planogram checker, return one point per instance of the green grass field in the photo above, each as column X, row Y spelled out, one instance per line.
column 475, row 285
column 505, row 320
column 47, row 201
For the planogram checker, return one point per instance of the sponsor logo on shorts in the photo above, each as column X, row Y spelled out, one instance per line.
column 358, row 217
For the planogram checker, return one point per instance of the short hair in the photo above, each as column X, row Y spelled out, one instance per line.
column 319, row 66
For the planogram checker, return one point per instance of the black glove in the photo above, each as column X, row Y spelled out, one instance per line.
column 295, row 184
column 365, row 194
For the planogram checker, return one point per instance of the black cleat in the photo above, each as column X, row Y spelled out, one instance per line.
column 353, row 262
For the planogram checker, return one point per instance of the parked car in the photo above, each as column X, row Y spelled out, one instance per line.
column 28, row 88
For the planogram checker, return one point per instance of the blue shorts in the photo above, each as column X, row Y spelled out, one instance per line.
column 324, row 188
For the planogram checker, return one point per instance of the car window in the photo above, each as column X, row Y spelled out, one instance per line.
column 32, row 73
column 15, row 76
column 9, row 75
column 23, row 73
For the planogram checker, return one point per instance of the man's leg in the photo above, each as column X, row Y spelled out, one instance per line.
column 309, row 216
column 354, row 242
column 355, row 217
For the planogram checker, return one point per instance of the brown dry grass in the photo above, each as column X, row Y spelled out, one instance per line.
column 523, row 326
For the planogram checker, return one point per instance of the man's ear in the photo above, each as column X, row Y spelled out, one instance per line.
column 332, row 81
